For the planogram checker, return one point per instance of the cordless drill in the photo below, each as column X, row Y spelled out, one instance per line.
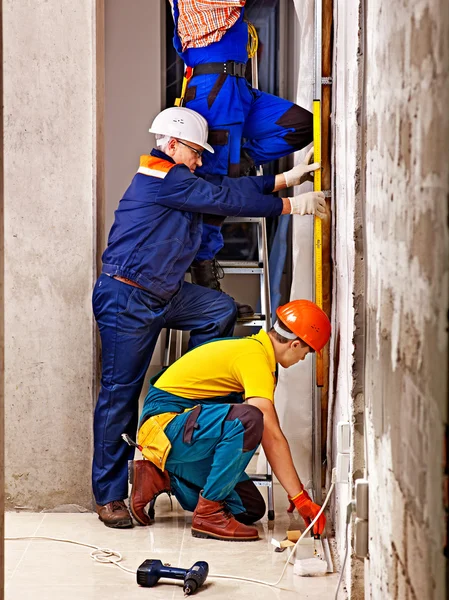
column 150, row 571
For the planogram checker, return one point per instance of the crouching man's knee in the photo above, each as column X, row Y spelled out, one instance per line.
column 252, row 500
column 252, row 420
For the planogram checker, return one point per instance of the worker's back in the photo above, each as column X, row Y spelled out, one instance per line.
column 223, row 371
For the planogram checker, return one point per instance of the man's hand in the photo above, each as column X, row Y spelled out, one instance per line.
column 308, row 511
column 302, row 172
column 311, row 203
column 291, row 506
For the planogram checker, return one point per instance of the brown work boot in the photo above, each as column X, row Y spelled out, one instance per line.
column 208, row 274
column 115, row 514
column 147, row 483
column 213, row 520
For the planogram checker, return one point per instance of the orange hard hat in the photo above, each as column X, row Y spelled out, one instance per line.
column 307, row 321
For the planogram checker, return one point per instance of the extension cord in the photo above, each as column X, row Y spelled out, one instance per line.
column 108, row 556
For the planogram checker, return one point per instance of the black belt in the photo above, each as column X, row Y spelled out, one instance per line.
column 229, row 68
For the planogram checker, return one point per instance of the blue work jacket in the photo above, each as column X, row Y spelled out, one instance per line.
column 158, row 223
column 232, row 46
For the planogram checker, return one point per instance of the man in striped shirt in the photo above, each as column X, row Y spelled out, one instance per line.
column 211, row 37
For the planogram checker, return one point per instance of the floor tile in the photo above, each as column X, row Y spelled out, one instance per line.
column 46, row 570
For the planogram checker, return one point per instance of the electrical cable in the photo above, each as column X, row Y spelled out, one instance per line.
column 108, row 555
column 267, row 583
column 95, row 554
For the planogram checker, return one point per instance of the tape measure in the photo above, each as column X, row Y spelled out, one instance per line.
column 317, row 229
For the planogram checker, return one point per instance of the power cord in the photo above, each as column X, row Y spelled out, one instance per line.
column 106, row 555
column 101, row 555
column 293, row 550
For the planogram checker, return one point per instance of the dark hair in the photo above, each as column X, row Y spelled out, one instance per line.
column 284, row 340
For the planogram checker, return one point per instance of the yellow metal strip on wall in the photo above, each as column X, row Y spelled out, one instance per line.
column 317, row 228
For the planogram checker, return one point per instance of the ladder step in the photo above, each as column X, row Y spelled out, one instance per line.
column 256, row 320
column 242, row 267
column 240, row 263
column 244, row 219
column 262, row 480
column 254, row 323
column 242, row 271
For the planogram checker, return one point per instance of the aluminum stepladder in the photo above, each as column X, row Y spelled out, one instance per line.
column 262, row 319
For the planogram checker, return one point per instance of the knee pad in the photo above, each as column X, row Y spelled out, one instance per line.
column 299, row 123
column 252, row 500
column 252, row 420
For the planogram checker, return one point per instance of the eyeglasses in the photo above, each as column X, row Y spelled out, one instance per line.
column 197, row 152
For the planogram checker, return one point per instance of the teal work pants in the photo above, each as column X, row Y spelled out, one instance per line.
column 211, row 448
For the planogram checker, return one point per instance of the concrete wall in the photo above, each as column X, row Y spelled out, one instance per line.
column 133, row 41
column 407, row 132
column 134, row 68
column 391, row 167
column 49, row 128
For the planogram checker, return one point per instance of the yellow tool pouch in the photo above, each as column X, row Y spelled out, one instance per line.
column 151, row 436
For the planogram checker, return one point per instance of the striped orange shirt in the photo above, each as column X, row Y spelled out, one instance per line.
column 202, row 22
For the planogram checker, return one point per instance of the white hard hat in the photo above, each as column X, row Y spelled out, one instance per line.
column 182, row 123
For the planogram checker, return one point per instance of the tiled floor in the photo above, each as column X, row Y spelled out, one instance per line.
column 44, row 570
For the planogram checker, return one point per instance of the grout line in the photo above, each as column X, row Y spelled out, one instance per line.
column 175, row 591
column 26, row 549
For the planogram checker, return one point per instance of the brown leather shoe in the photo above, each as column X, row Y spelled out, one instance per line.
column 115, row 514
column 147, row 483
column 213, row 520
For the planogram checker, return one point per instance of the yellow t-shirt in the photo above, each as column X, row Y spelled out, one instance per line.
column 219, row 367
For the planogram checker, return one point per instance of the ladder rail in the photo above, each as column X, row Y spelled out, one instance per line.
column 265, row 308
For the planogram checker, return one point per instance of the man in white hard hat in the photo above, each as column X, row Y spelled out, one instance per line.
column 154, row 238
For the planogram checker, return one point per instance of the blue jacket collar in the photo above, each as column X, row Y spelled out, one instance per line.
column 159, row 154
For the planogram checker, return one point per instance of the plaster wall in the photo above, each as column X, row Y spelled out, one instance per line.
column 294, row 391
column 49, row 146
column 346, row 402
column 407, row 128
column 391, row 283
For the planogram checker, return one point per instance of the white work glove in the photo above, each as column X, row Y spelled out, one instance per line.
column 302, row 172
column 311, row 203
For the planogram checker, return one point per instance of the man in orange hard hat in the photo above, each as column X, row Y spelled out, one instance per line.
column 205, row 416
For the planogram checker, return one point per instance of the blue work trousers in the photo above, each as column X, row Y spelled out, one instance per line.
column 211, row 448
column 268, row 127
column 130, row 320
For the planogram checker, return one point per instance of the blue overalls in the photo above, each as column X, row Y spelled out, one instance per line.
column 154, row 239
column 211, row 448
column 272, row 127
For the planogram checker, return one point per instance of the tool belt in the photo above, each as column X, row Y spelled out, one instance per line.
column 229, row 67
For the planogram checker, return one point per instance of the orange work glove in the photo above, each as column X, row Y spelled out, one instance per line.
column 292, row 506
column 308, row 511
